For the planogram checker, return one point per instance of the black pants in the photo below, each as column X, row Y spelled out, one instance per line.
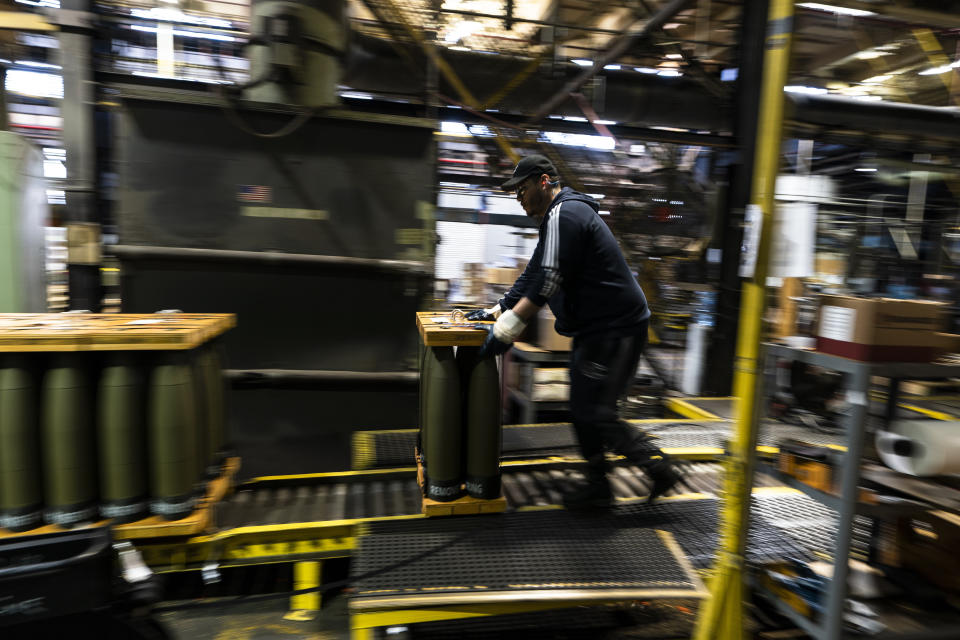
column 601, row 369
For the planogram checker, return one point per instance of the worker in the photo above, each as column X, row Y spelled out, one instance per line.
column 578, row 268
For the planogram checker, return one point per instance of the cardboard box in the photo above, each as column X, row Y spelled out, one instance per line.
column 502, row 275
column 547, row 336
column 880, row 329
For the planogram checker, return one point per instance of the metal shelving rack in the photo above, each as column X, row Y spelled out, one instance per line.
column 857, row 383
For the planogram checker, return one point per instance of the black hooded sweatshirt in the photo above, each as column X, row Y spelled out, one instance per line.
column 578, row 268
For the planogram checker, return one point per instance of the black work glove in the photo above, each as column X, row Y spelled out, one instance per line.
column 484, row 315
column 492, row 346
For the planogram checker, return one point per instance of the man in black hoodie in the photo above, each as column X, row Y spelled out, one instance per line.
column 578, row 268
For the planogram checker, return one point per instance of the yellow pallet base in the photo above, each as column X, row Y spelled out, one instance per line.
column 459, row 507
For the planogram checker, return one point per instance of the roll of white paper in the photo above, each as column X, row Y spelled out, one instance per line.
column 921, row 447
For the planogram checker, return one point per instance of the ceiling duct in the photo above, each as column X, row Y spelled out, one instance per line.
column 296, row 49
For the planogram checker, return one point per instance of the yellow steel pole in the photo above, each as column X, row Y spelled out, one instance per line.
column 306, row 575
column 721, row 617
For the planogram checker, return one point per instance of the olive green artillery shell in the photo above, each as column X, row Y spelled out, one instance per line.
column 20, row 466
column 172, row 425
column 122, row 430
column 482, row 424
column 444, row 425
column 69, row 450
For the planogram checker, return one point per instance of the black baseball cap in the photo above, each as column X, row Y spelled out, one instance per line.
column 532, row 165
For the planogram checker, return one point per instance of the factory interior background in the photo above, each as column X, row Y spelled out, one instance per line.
column 238, row 241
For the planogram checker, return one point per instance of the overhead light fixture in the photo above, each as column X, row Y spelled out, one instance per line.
column 672, row 25
column 799, row 88
column 868, row 98
column 866, row 169
column 612, row 67
column 574, row 118
column 878, row 79
column 673, row 56
column 941, row 69
column 871, row 54
column 669, row 73
column 843, row 11
column 647, row 70
column 581, row 62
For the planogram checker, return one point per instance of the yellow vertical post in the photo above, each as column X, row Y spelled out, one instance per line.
column 721, row 617
column 305, row 606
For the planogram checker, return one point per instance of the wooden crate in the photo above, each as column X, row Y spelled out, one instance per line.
column 20, row 332
column 444, row 334
column 461, row 506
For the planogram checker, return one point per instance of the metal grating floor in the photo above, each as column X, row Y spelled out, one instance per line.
column 553, row 549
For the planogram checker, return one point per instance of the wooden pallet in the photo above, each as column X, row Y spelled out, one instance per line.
column 459, row 507
column 197, row 522
column 446, row 334
column 156, row 527
column 33, row 332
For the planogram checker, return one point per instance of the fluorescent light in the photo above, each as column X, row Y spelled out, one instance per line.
column 580, row 140
column 356, row 95
column 582, row 62
column 672, row 25
column 843, row 11
column 648, row 70
column 603, row 212
column 941, row 69
column 448, row 126
column 878, row 79
column 167, row 14
column 605, row 122
column 673, row 56
column 461, row 30
column 872, row 54
column 574, row 118
column 866, row 169
column 612, row 67
column 669, row 73
column 798, row 88
column 188, row 34
column 596, row 196
column 34, row 83
column 38, row 65
column 868, row 98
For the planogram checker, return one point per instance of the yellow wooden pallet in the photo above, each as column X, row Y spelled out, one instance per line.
column 459, row 507
column 447, row 334
column 199, row 521
column 32, row 332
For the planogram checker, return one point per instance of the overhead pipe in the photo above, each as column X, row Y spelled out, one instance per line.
column 320, row 379
column 266, row 258
column 620, row 46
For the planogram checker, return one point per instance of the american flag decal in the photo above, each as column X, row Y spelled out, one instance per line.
column 253, row 193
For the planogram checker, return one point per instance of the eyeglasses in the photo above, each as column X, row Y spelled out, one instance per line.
column 522, row 190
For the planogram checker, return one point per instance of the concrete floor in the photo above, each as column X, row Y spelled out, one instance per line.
column 258, row 621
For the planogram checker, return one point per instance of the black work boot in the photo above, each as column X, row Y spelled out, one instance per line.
column 594, row 492
column 664, row 476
